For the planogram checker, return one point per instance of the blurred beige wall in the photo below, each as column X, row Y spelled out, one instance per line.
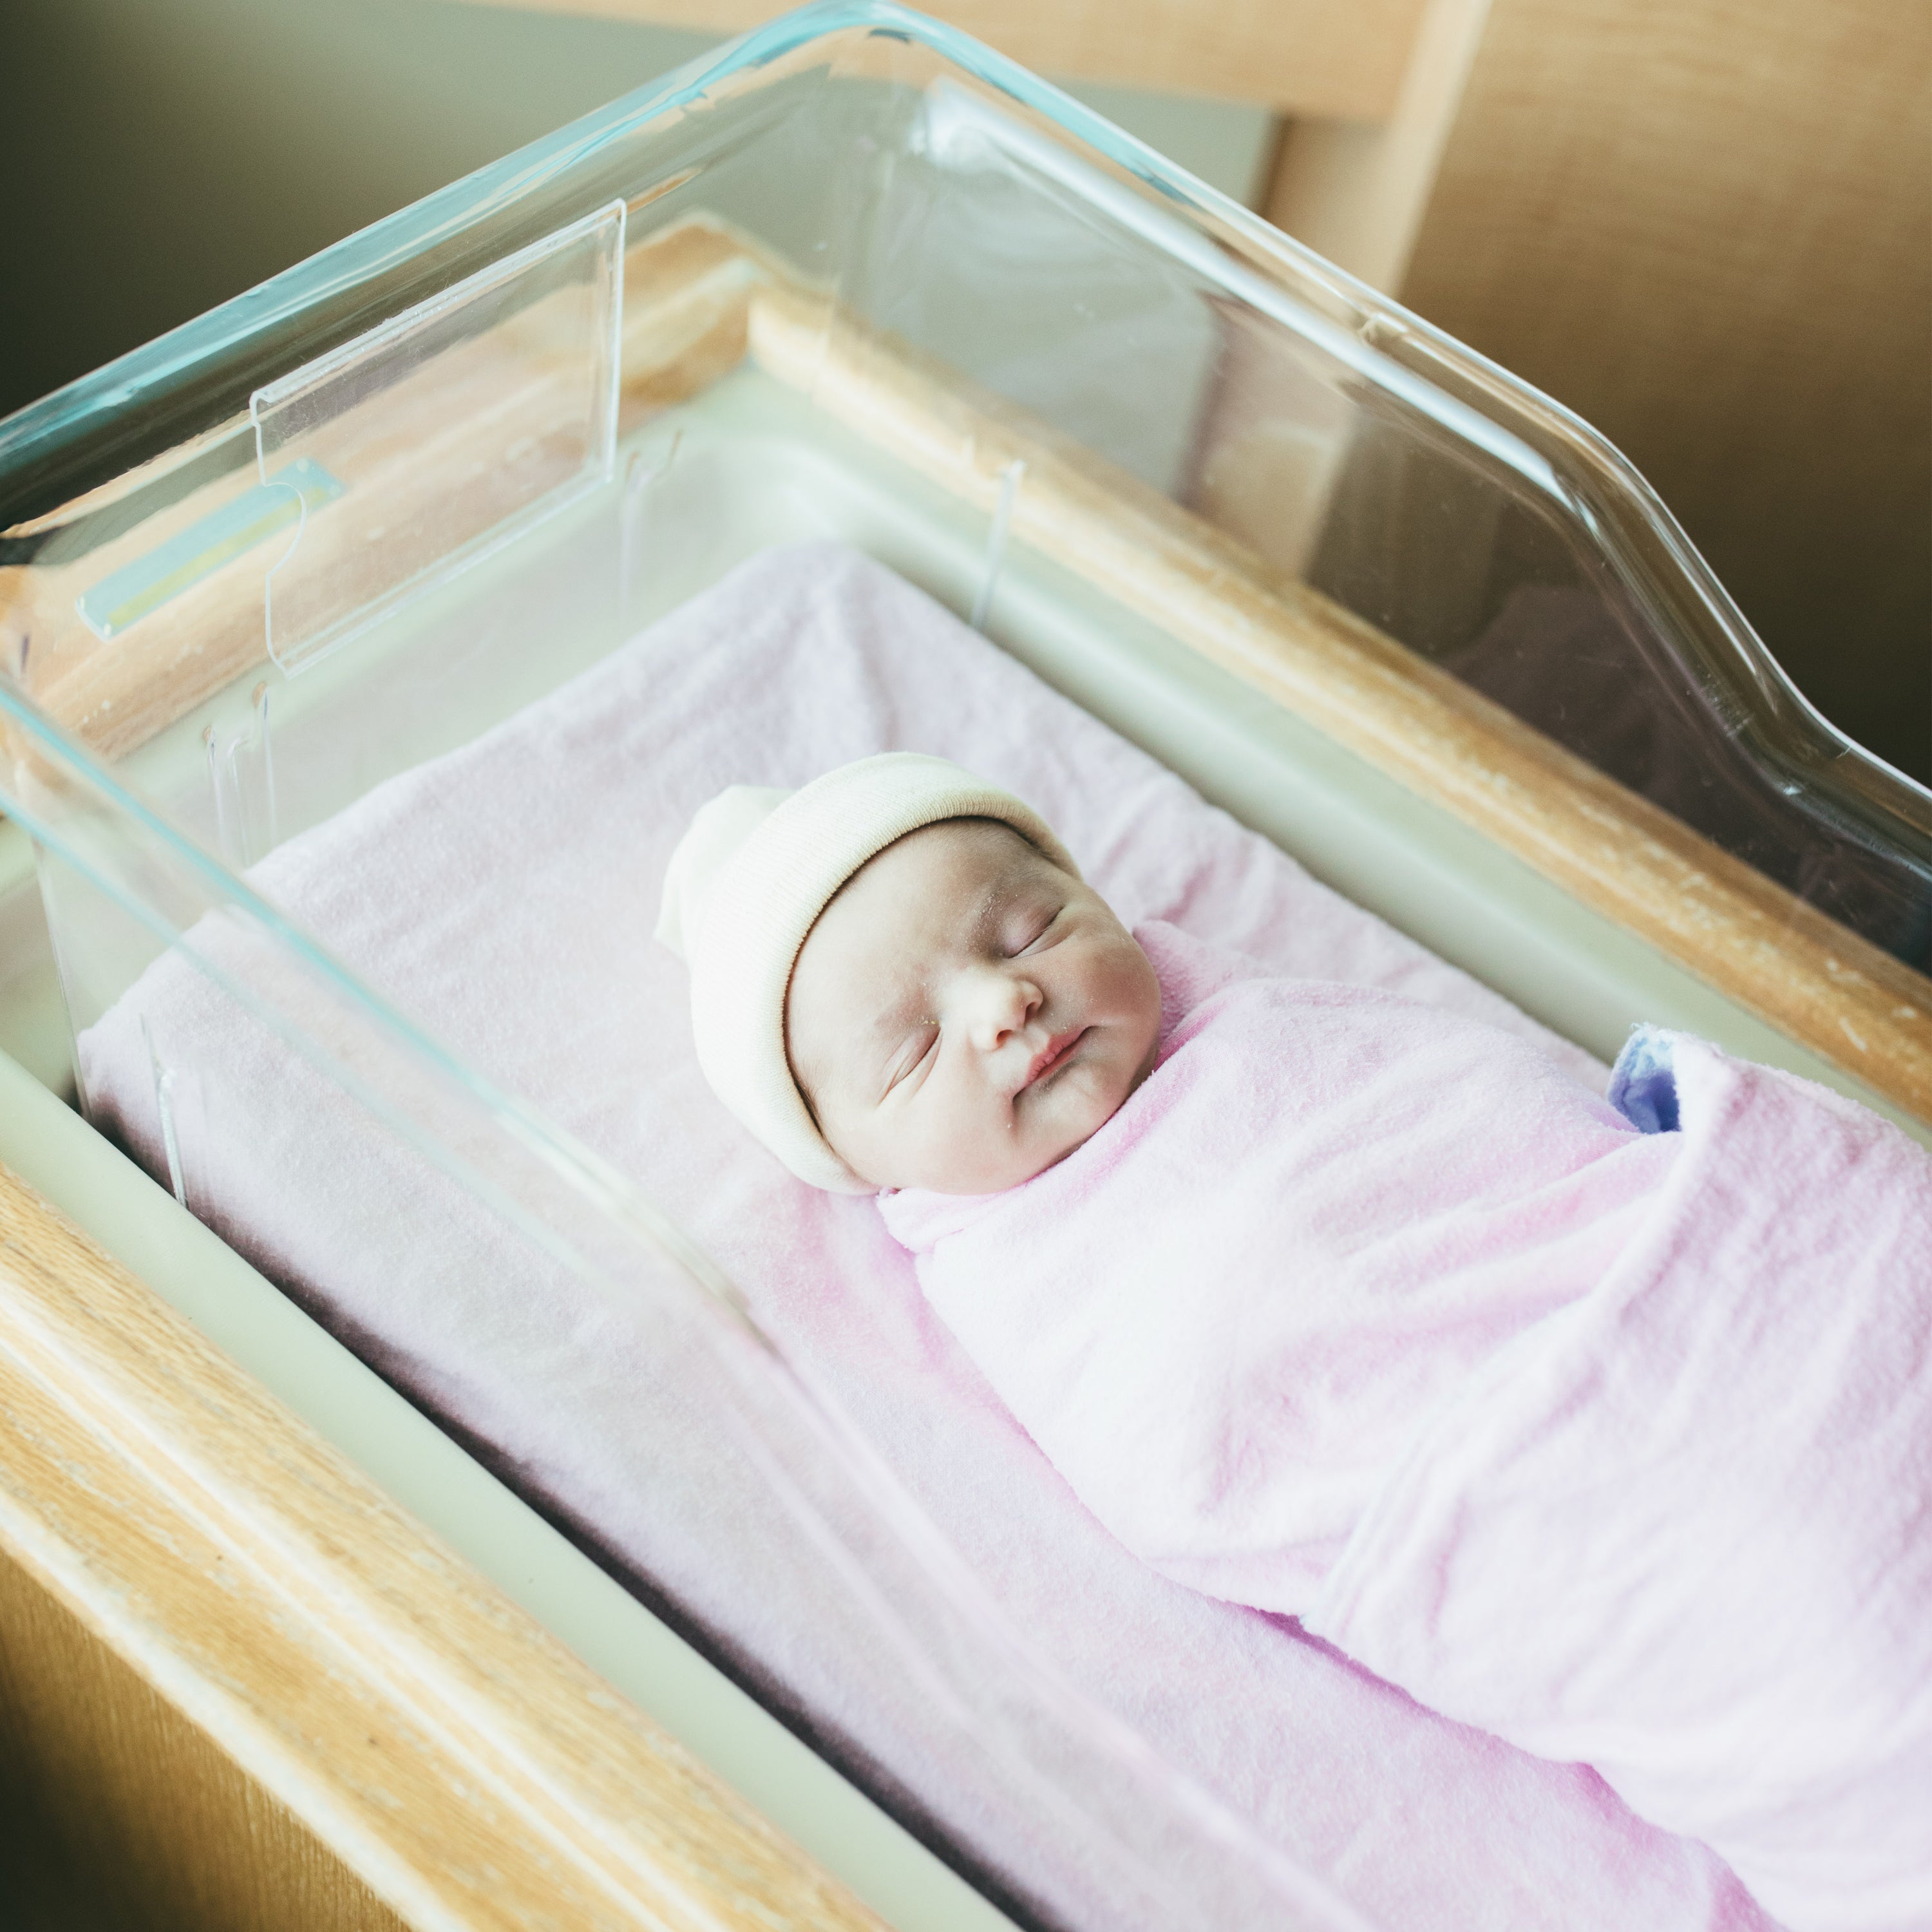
column 1706, row 226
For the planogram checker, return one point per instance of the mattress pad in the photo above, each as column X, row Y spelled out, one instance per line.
column 504, row 896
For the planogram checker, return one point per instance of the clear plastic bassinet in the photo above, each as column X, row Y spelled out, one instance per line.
column 856, row 276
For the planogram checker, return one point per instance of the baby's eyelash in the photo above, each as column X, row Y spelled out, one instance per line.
column 913, row 1057
column 1036, row 932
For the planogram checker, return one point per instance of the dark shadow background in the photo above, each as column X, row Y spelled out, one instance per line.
column 162, row 155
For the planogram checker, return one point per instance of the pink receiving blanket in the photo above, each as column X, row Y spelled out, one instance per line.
column 1223, row 1316
column 1617, row 1444
column 505, row 894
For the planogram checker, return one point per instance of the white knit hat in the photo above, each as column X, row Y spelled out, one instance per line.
column 754, row 868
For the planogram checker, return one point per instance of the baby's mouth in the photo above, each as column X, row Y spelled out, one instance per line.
column 1050, row 1055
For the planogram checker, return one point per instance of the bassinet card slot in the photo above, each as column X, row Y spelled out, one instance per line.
column 485, row 409
column 444, row 437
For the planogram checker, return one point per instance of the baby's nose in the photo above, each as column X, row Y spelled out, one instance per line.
column 1001, row 1004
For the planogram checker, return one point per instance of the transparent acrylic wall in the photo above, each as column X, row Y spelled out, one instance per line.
column 353, row 520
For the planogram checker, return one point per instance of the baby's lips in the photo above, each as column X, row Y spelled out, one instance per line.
column 1050, row 1055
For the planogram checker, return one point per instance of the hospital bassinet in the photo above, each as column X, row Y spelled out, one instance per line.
column 857, row 278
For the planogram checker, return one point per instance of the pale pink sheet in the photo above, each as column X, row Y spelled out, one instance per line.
column 505, row 893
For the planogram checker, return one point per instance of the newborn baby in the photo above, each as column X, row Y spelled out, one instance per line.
column 1607, row 1427
column 1245, row 1229
column 966, row 1012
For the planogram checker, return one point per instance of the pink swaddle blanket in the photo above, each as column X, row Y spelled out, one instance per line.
column 1224, row 1316
column 1618, row 1445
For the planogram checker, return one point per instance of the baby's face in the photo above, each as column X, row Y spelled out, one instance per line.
column 964, row 1013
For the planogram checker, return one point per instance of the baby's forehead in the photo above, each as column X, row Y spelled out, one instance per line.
column 952, row 880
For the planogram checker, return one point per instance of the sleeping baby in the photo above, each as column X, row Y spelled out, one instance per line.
column 1605, row 1424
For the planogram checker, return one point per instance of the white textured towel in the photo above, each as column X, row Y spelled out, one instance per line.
column 506, row 894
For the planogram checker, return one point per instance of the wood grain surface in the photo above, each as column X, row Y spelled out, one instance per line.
column 1706, row 226
column 1300, row 55
column 257, row 1657
column 1814, row 979
column 116, row 1811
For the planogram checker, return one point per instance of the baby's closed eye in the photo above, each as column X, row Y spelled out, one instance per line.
column 914, row 1052
column 1029, row 928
